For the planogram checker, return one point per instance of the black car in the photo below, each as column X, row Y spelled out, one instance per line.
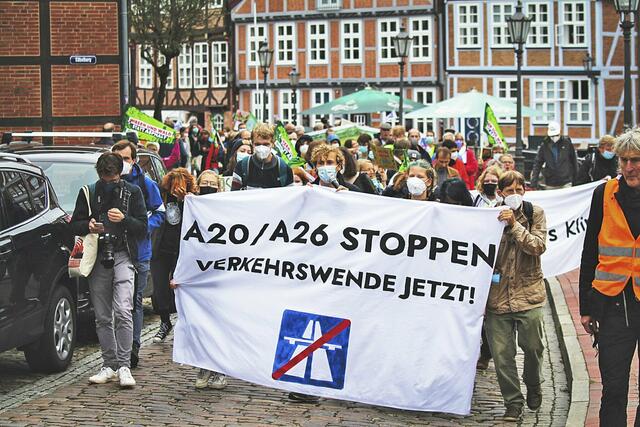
column 37, row 299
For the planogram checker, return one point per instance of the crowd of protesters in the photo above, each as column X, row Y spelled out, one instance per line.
column 425, row 169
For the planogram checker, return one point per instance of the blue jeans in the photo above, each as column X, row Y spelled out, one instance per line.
column 142, row 268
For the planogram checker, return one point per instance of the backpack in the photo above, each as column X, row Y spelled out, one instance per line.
column 282, row 171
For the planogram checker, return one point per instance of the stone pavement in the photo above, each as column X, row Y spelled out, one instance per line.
column 569, row 284
column 165, row 395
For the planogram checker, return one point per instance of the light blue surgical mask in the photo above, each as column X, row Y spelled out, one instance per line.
column 240, row 155
column 327, row 174
column 429, row 139
column 608, row 154
column 363, row 149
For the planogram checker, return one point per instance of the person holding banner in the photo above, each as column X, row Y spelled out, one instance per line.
column 610, row 278
column 516, row 298
column 263, row 169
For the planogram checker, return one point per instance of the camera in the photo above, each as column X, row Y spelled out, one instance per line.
column 108, row 240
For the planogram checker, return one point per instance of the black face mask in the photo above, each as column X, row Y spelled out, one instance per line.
column 490, row 189
column 208, row 190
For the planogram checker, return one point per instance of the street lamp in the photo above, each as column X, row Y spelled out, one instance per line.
column 627, row 9
column 230, row 96
column 587, row 64
column 265, row 56
column 294, row 80
column 519, row 25
column 402, row 45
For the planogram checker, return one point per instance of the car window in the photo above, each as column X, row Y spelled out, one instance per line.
column 161, row 171
column 67, row 178
column 37, row 186
column 15, row 197
column 144, row 161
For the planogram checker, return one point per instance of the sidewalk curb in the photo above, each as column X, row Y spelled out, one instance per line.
column 575, row 364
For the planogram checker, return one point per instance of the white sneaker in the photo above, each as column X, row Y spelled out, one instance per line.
column 218, row 381
column 105, row 375
column 126, row 380
column 203, row 378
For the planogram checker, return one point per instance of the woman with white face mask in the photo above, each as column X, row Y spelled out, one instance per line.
column 416, row 183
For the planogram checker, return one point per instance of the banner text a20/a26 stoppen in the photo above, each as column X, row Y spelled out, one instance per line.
column 353, row 239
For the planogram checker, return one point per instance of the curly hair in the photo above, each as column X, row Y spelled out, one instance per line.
column 178, row 178
column 323, row 151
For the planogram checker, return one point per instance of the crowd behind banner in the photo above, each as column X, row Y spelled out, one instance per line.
column 393, row 162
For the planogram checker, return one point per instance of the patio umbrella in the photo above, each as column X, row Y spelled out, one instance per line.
column 471, row 104
column 364, row 101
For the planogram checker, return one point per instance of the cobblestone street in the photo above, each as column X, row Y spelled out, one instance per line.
column 165, row 395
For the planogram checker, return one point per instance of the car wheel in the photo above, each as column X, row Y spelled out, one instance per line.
column 54, row 350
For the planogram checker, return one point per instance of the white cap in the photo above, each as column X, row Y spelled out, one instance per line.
column 553, row 129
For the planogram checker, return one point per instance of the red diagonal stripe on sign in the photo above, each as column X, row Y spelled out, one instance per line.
column 313, row 347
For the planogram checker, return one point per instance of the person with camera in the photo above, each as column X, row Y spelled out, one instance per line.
column 119, row 216
column 133, row 174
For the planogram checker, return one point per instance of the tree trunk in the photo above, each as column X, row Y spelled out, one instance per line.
column 163, row 75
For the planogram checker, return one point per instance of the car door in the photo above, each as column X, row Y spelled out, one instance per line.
column 30, row 256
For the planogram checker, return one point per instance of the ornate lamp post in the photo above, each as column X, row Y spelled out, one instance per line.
column 294, row 80
column 519, row 25
column 627, row 9
column 265, row 56
column 402, row 44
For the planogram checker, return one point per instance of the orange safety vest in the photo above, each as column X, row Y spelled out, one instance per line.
column 618, row 251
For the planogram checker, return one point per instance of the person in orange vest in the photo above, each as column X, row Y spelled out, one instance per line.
column 610, row 278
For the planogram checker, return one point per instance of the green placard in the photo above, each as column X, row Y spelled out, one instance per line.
column 286, row 150
column 148, row 128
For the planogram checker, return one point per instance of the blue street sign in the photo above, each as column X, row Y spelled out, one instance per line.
column 83, row 60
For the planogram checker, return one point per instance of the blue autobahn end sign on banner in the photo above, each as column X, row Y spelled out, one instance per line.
column 83, row 60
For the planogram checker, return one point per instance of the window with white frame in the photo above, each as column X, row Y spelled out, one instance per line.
column 574, row 24
column 219, row 60
column 218, row 122
column 162, row 60
column 257, row 33
column 499, row 28
column 145, row 72
column 318, row 45
column 184, row 67
column 540, row 24
column 359, row 119
column 506, row 89
column 420, row 31
column 214, row 4
column 256, row 105
column 286, row 106
column 351, row 40
column 579, row 102
column 468, row 20
column 387, row 30
column 285, row 44
column 328, row 4
column 319, row 97
column 425, row 97
column 545, row 99
column 200, row 65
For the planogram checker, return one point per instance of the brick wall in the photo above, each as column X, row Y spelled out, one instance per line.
column 25, row 39
column 79, row 90
column 84, row 28
column 20, row 91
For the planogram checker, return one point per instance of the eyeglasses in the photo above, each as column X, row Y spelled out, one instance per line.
column 205, row 183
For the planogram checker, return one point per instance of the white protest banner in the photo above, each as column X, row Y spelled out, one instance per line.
column 567, row 211
column 336, row 294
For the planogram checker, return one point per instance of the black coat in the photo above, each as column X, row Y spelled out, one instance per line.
column 595, row 167
column 556, row 172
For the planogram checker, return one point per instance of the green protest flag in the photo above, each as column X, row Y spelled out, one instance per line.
column 492, row 128
column 251, row 122
column 405, row 162
column 286, row 150
column 148, row 128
